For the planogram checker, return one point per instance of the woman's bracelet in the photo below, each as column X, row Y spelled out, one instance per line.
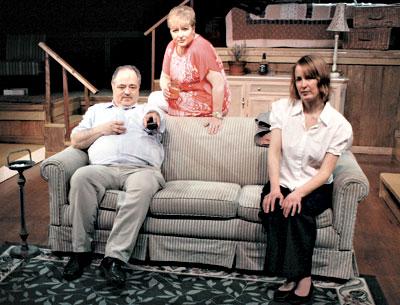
column 218, row 115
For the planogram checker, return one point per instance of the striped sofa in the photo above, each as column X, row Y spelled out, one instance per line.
column 208, row 211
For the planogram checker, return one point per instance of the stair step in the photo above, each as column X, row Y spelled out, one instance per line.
column 73, row 119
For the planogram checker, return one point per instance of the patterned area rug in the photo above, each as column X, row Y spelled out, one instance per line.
column 39, row 281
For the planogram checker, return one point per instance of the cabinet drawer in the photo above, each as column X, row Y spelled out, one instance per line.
column 268, row 88
column 259, row 104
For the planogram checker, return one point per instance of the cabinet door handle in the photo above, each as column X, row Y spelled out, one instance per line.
column 243, row 102
column 258, row 89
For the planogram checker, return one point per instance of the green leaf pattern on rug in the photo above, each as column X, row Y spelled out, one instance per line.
column 40, row 282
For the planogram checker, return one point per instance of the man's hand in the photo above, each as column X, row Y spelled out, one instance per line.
column 84, row 138
column 155, row 117
column 265, row 139
column 112, row 128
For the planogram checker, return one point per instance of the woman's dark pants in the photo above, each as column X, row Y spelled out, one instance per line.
column 291, row 240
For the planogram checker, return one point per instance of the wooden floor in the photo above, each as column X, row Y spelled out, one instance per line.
column 377, row 233
column 10, row 150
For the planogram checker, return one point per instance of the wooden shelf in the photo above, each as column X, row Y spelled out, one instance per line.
column 291, row 55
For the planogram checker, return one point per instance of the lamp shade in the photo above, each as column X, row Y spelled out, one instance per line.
column 339, row 23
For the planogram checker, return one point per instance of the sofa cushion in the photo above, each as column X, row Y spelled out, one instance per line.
column 196, row 199
column 220, row 229
column 110, row 200
column 327, row 238
column 325, row 219
column 249, row 202
column 229, row 156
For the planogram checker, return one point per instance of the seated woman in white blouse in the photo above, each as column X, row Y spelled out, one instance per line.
column 307, row 137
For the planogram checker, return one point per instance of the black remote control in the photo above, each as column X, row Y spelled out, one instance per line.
column 151, row 125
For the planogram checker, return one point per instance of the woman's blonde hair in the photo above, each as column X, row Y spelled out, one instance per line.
column 183, row 13
column 314, row 67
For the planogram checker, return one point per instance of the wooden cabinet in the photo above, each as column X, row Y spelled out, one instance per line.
column 253, row 94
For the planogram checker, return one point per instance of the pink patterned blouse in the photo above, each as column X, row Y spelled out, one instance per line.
column 190, row 70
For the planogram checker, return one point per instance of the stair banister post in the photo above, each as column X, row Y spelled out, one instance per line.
column 153, row 57
column 66, row 103
column 47, row 88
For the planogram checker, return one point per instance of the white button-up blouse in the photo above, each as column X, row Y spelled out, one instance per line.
column 304, row 150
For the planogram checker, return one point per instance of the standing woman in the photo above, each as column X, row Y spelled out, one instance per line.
column 193, row 80
column 307, row 137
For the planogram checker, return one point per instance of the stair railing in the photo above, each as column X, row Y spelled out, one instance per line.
column 65, row 68
column 152, row 30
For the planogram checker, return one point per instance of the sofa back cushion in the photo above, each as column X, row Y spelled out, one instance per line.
column 229, row 156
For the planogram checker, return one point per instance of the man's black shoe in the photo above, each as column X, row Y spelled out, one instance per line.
column 74, row 268
column 112, row 270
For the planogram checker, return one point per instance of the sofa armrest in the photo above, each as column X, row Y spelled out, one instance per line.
column 351, row 186
column 57, row 170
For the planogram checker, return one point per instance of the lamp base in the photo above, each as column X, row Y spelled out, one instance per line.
column 335, row 75
column 24, row 251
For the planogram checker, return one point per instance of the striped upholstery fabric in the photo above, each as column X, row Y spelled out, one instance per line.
column 249, row 202
column 230, row 156
column 197, row 199
column 110, row 200
column 208, row 211
column 191, row 250
column 250, row 256
column 23, row 55
column 58, row 171
column 327, row 238
column 232, row 229
column 338, row 264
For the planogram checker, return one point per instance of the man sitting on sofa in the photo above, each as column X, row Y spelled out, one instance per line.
column 124, row 153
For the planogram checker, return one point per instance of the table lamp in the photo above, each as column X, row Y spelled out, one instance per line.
column 337, row 25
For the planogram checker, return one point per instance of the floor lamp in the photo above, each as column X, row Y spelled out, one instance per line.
column 337, row 25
